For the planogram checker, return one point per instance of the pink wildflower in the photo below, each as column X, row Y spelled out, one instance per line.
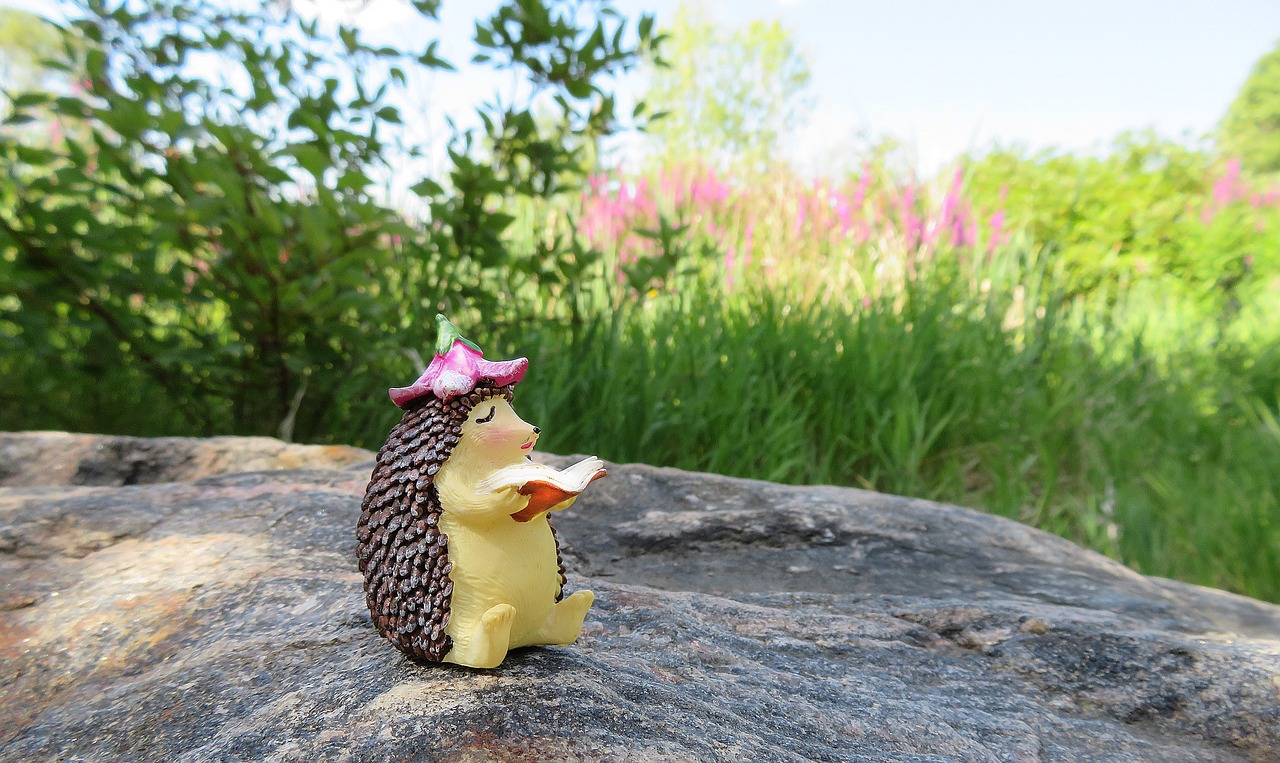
column 997, row 236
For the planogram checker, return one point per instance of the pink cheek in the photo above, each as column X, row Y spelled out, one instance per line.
column 497, row 436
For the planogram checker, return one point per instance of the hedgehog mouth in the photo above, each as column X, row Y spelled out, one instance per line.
column 527, row 445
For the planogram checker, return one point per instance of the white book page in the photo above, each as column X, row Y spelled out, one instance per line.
column 573, row 479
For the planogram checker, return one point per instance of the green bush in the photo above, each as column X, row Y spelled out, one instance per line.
column 1146, row 210
column 192, row 257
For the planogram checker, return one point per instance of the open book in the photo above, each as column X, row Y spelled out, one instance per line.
column 546, row 486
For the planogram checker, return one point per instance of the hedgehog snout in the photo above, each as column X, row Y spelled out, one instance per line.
column 537, row 430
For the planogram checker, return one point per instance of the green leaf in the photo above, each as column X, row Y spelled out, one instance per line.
column 447, row 334
column 312, row 159
column 580, row 89
column 427, row 187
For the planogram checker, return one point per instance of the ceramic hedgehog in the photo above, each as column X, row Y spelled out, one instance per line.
column 459, row 559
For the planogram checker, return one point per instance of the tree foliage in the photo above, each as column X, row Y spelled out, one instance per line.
column 26, row 43
column 215, row 256
column 728, row 96
column 1250, row 130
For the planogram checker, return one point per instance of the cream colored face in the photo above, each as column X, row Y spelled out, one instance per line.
column 493, row 428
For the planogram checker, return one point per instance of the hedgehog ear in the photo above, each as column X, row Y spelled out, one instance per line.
column 447, row 334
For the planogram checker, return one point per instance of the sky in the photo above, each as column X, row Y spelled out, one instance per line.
column 940, row 76
column 945, row 76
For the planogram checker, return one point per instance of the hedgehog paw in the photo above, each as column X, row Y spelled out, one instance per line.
column 564, row 624
column 490, row 640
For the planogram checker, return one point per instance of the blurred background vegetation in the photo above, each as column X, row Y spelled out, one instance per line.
column 1086, row 343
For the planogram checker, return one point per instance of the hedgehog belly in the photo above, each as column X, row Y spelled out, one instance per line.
column 506, row 562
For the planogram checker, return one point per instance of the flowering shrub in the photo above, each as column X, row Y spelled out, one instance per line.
column 1149, row 211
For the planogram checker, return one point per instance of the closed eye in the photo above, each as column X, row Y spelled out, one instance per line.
column 492, row 410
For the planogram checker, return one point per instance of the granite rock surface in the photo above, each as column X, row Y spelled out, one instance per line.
column 197, row 600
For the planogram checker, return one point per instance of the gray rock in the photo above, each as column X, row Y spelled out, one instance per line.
column 198, row 600
column 59, row 458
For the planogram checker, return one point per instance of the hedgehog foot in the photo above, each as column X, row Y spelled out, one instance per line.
column 564, row 624
column 490, row 640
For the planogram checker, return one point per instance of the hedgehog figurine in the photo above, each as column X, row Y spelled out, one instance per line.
column 460, row 562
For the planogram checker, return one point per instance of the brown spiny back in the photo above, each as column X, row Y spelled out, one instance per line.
column 402, row 553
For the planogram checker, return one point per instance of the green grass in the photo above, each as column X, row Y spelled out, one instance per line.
column 1104, row 422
